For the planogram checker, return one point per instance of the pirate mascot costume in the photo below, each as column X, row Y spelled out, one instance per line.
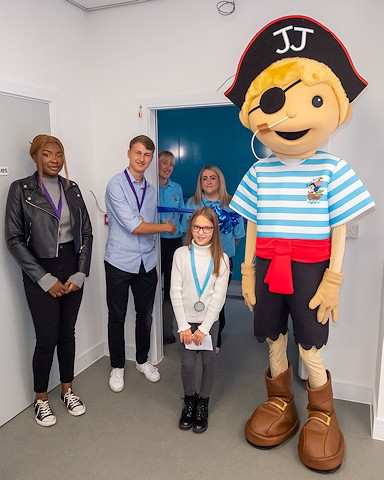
column 294, row 86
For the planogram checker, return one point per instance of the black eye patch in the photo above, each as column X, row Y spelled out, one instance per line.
column 273, row 99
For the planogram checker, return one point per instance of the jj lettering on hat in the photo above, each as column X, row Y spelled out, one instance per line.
column 291, row 37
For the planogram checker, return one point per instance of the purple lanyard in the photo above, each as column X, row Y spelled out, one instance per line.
column 48, row 197
column 139, row 204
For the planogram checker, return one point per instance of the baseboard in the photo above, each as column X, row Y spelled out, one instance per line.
column 352, row 393
column 91, row 356
column 377, row 426
column 349, row 392
column 130, row 354
column 377, row 422
column 343, row 391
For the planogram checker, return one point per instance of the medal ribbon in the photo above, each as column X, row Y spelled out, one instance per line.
column 59, row 207
column 200, row 289
column 139, row 204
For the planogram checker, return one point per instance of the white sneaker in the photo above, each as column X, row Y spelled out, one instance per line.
column 116, row 379
column 150, row 372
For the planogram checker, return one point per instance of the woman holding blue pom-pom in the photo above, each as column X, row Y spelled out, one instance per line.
column 211, row 192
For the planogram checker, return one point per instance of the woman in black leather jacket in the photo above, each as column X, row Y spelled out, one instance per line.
column 49, row 233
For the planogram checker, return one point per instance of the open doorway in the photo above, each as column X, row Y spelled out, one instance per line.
column 203, row 129
column 200, row 136
column 201, row 132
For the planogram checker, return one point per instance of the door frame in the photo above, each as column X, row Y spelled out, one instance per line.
column 147, row 119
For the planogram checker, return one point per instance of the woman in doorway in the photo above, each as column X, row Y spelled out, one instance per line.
column 211, row 192
column 170, row 195
column 49, row 233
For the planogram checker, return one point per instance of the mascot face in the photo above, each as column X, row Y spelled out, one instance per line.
column 299, row 118
column 294, row 85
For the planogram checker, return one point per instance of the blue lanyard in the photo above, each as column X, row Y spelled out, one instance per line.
column 200, row 289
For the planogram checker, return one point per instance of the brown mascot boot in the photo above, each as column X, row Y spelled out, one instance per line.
column 321, row 443
column 276, row 420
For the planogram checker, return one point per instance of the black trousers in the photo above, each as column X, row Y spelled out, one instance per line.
column 168, row 247
column 143, row 286
column 54, row 319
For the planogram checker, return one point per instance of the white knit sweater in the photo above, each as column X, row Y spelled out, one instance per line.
column 183, row 290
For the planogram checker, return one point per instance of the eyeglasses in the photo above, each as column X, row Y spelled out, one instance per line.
column 196, row 229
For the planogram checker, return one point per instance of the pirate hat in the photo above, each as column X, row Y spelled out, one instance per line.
column 289, row 37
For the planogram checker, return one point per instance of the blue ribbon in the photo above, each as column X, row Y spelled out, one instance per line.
column 227, row 219
column 173, row 209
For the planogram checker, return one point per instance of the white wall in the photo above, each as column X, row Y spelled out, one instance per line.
column 173, row 48
column 44, row 48
column 179, row 47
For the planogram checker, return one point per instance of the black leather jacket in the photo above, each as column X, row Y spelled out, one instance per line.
column 32, row 226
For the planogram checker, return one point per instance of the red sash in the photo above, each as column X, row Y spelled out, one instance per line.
column 282, row 251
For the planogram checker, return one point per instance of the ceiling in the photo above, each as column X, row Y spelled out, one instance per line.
column 89, row 5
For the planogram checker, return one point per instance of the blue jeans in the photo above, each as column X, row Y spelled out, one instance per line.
column 143, row 286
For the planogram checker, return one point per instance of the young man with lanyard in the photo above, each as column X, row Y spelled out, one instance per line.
column 131, row 257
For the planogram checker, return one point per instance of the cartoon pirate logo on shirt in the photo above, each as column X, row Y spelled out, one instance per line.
column 314, row 190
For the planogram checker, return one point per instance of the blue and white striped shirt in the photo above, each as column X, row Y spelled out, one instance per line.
column 300, row 199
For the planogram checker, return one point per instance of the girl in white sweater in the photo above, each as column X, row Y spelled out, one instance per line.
column 199, row 283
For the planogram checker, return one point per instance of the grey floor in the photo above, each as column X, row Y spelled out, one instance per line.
column 134, row 435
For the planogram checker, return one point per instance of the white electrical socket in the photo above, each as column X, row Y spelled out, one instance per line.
column 352, row 230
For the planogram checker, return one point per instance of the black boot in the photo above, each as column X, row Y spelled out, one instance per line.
column 188, row 412
column 200, row 422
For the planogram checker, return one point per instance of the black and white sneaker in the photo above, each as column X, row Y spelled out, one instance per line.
column 43, row 413
column 73, row 403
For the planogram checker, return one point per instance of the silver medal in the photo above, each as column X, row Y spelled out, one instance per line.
column 199, row 306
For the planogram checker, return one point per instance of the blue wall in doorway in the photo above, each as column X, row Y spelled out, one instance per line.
column 207, row 135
